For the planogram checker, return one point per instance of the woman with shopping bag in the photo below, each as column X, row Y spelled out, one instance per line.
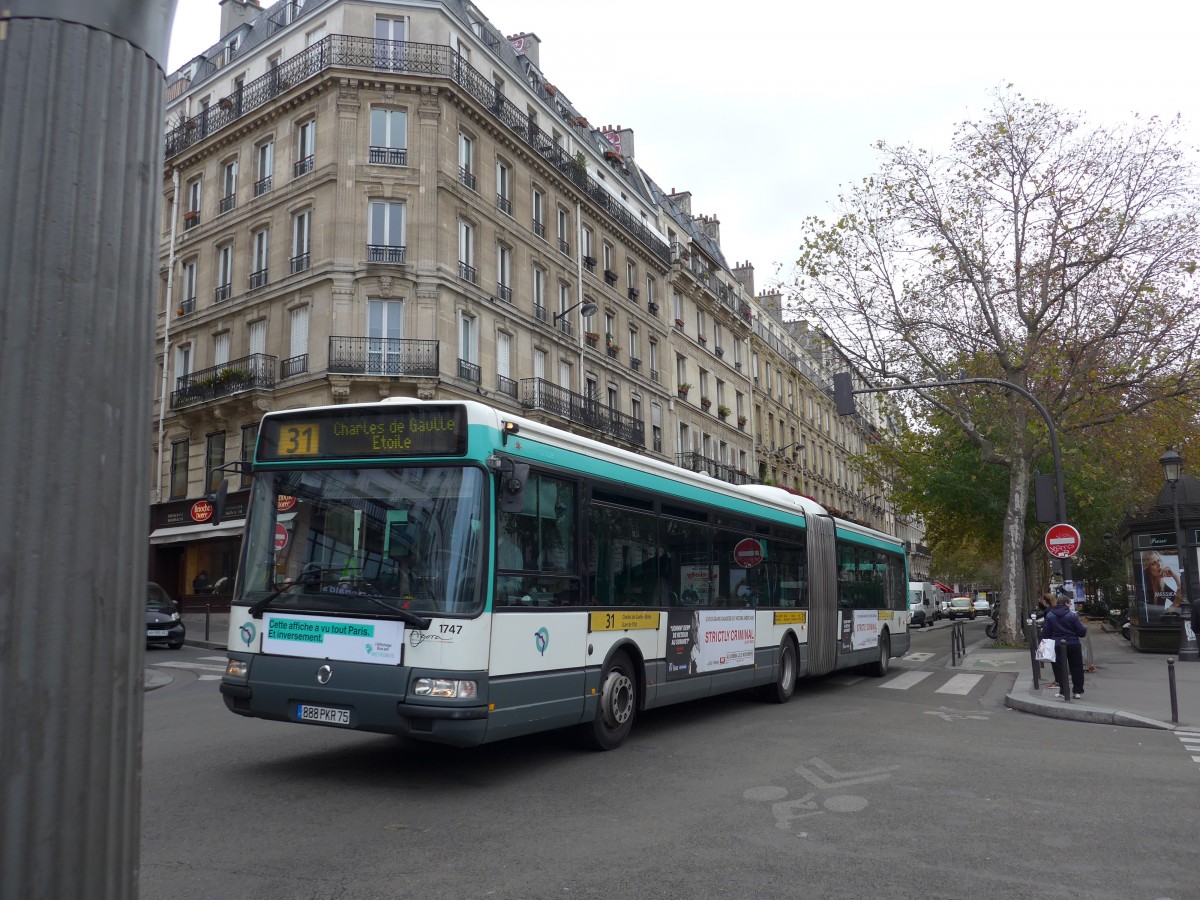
column 1063, row 624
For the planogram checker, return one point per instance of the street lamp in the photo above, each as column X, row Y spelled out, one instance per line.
column 589, row 310
column 1172, row 464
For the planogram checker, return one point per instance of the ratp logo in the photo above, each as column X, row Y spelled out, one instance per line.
column 541, row 638
column 247, row 632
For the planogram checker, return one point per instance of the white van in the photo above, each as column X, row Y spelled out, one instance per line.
column 922, row 604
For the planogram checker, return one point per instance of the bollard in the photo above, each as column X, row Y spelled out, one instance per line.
column 1032, row 635
column 1064, row 669
column 1174, row 696
column 207, row 614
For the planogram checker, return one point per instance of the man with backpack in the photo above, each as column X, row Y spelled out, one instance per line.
column 1063, row 624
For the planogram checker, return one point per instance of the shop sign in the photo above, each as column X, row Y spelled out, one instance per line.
column 202, row 511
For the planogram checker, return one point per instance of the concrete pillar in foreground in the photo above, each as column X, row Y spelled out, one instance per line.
column 81, row 87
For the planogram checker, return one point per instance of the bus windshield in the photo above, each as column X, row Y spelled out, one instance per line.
column 363, row 541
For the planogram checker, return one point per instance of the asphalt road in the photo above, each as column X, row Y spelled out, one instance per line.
column 855, row 789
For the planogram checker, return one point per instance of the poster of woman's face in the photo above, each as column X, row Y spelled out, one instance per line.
column 1160, row 577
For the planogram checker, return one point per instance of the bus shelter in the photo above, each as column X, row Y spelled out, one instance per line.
column 1156, row 565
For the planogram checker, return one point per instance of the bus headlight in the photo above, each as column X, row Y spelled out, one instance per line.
column 238, row 668
column 445, row 687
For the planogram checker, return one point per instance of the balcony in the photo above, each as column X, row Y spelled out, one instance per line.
column 469, row 371
column 564, row 247
column 302, row 166
column 504, row 292
column 388, row 156
column 258, row 279
column 695, row 462
column 253, row 372
column 539, row 228
column 466, row 177
column 383, row 356
column 191, row 218
column 541, row 313
column 385, row 253
column 504, row 204
column 506, row 386
column 262, row 186
column 223, row 293
column 538, row 394
column 300, row 262
column 228, row 203
column 186, row 307
column 467, row 272
column 293, row 365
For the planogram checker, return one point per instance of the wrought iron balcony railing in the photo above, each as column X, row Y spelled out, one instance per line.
column 539, row 228
column 467, row 272
column 385, row 253
column 258, row 279
column 434, row 60
column 466, row 177
column 540, row 394
column 253, row 372
column 696, row 462
column 262, row 186
column 293, row 365
column 506, row 386
column 228, row 202
column 504, row 292
column 388, row 156
column 383, row 356
column 469, row 371
column 223, row 293
column 302, row 166
column 300, row 262
column 504, row 204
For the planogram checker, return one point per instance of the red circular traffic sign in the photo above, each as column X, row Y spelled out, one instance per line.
column 1062, row 540
column 281, row 536
column 747, row 553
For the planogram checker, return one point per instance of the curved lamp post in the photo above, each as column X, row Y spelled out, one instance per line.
column 1172, row 464
column 589, row 310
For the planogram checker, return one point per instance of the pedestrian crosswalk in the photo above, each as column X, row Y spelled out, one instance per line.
column 206, row 668
column 927, row 680
column 1191, row 743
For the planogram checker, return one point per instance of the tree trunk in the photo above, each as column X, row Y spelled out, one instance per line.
column 1013, row 565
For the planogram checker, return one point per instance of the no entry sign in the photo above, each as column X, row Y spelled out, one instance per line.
column 747, row 553
column 1062, row 540
column 281, row 536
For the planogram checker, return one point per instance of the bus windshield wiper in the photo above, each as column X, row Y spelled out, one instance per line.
column 406, row 615
column 310, row 575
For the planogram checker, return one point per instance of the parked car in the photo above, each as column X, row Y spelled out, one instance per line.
column 981, row 606
column 163, row 622
column 961, row 608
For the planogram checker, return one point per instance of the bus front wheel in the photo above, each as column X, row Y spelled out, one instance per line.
column 785, row 676
column 617, row 705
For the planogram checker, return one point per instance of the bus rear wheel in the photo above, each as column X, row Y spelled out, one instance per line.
column 879, row 668
column 785, row 675
column 617, row 705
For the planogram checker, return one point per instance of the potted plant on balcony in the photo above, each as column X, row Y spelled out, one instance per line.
column 225, row 103
column 719, row 350
column 191, row 215
column 550, row 89
column 679, row 323
column 592, row 337
column 614, row 349
column 705, row 402
column 684, row 387
column 741, row 423
column 634, row 293
column 702, row 339
column 723, row 411
column 610, row 276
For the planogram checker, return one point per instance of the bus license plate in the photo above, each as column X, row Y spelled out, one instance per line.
column 326, row 715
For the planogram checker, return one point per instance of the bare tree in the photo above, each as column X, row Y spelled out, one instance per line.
column 1057, row 257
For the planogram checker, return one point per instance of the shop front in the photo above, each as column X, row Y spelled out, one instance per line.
column 191, row 557
column 1163, row 575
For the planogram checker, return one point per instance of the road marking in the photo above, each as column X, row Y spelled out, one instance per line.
column 995, row 663
column 208, row 678
column 949, row 715
column 917, row 657
column 184, row 665
column 220, row 659
column 959, row 684
column 905, row 681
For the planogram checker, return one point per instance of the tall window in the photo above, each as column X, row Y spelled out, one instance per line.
column 387, row 55
column 306, row 143
column 564, row 228
column 189, row 286
column 385, row 330
column 183, row 364
column 677, row 306
column 221, row 348
column 257, row 342
column 262, row 243
column 179, row 469
column 656, row 427
column 224, row 273
column 503, row 188
column 265, row 155
column 229, row 186
column 539, row 213
column 539, row 293
column 504, row 273
column 466, row 252
column 468, row 347
column 389, row 136
column 503, row 354
column 191, row 215
column 587, row 249
column 298, row 341
column 466, row 160
column 385, row 243
column 214, row 457
column 539, row 363
column 301, row 241
column 564, row 303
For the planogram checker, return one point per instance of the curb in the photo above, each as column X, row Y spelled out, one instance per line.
column 1077, row 711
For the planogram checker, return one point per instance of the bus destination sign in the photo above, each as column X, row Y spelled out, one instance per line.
column 362, row 434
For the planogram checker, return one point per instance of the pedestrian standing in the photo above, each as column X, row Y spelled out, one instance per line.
column 1063, row 624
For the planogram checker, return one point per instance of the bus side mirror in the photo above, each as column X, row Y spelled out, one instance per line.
column 511, row 486
column 217, row 499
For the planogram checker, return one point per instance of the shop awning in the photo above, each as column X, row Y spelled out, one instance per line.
column 197, row 532
column 944, row 587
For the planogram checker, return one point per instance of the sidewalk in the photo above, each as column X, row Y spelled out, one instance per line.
column 1126, row 688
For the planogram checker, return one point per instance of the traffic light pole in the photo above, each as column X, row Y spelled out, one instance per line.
column 844, row 391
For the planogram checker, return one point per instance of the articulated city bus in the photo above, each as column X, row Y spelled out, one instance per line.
column 453, row 573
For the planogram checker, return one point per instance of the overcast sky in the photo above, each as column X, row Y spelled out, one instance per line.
column 764, row 108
